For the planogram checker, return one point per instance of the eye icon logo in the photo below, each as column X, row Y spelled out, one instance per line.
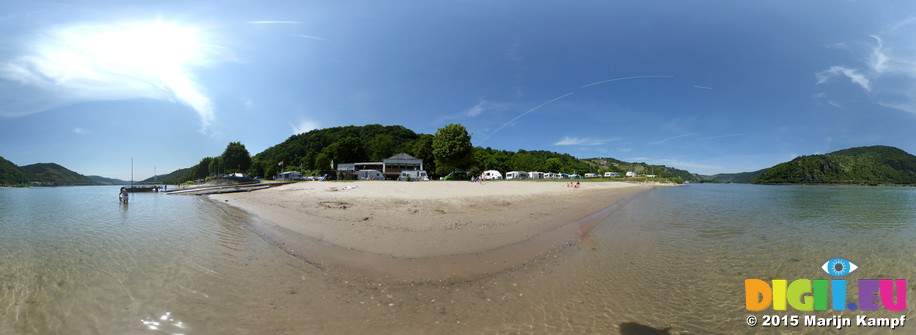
column 839, row 267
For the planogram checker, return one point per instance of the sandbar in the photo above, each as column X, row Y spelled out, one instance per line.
column 427, row 231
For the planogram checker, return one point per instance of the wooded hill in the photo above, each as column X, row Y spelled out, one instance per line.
column 313, row 152
column 12, row 174
column 741, row 177
column 613, row 165
column 874, row 165
column 49, row 174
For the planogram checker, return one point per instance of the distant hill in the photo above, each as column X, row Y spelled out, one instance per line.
column 107, row 181
column 741, row 178
column 53, row 174
column 621, row 167
column 12, row 174
column 174, row 178
column 872, row 165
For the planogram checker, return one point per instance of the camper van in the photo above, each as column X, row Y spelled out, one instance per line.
column 611, row 175
column 517, row 175
column 413, row 175
column 369, row 175
column 536, row 175
column 492, row 174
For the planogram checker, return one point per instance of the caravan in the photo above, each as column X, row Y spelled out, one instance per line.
column 536, row 175
column 369, row 175
column 517, row 175
column 492, row 174
column 413, row 175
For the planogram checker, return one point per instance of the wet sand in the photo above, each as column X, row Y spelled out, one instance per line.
column 427, row 231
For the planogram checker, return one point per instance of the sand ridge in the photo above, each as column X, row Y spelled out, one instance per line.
column 419, row 231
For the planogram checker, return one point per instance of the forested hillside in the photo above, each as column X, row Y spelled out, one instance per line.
column 12, row 174
column 863, row 165
column 53, row 174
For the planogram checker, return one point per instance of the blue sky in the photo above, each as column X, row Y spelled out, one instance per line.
column 706, row 86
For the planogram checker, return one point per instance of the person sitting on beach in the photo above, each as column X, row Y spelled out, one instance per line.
column 123, row 196
column 578, row 185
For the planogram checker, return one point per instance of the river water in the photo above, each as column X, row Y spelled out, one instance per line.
column 673, row 260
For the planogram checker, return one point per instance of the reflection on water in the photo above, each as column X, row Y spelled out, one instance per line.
column 72, row 260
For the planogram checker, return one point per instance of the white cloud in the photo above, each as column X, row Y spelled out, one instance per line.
column 274, row 22
column 665, row 140
column 303, row 127
column 475, row 110
column 853, row 75
column 80, row 131
column 886, row 71
column 566, row 140
column 90, row 62
column 310, row 37
column 485, row 106
column 689, row 166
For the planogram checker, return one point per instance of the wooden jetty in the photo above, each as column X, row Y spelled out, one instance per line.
column 217, row 189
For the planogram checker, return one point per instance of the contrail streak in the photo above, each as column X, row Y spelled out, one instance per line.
column 625, row 78
column 526, row 113
column 568, row 94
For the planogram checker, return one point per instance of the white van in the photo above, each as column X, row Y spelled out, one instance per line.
column 369, row 175
column 413, row 175
column 536, row 175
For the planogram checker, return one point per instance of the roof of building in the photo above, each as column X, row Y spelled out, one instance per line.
column 402, row 158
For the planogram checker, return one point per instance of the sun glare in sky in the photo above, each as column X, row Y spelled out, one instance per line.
column 115, row 61
column 154, row 47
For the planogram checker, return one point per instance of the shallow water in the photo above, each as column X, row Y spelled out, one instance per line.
column 73, row 260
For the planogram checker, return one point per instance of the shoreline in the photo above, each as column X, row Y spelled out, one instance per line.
column 427, row 231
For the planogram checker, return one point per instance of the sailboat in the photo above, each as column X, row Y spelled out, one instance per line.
column 148, row 188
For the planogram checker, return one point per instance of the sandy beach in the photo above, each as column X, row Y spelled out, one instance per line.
column 427, row 231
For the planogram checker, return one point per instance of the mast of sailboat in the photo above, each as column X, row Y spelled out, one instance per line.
column 131, row 172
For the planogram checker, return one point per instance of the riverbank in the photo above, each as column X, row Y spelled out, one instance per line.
column 427, row 231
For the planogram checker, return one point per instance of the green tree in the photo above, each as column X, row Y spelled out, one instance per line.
column 524, row 161
column 256, row 169
column 553, row 164
column 201, row 170
column 322, row 161
column 236, row 157
column 216, row 166
column 452, row 147
column 349, row 150
column 422, row 148
column 381, row 147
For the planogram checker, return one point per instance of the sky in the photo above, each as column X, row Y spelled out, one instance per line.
column 705, row 86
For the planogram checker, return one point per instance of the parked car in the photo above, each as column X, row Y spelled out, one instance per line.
column 456, row 175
